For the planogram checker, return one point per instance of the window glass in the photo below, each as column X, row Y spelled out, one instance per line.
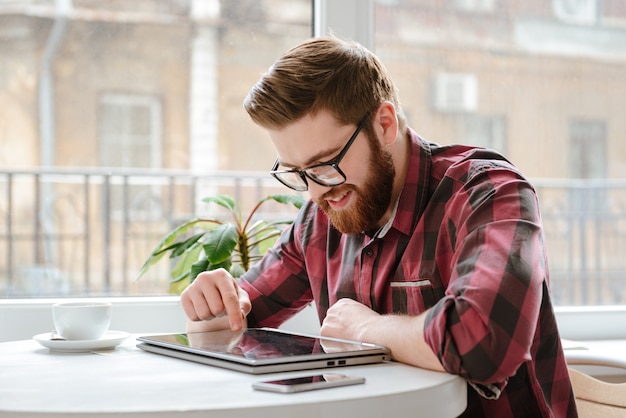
column 543, row 82
column 118, row 117
column 128, row 131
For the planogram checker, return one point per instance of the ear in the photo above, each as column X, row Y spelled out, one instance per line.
column 386, row 122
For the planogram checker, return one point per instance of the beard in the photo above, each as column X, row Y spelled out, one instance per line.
column 371, row 200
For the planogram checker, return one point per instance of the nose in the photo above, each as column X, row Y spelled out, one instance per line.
column 316, row 190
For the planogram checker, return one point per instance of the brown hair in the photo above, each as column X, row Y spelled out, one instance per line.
column 339, row 76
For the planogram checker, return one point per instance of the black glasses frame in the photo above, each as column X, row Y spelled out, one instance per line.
column 334, row 163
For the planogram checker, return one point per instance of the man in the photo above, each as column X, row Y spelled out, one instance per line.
column 435, row 252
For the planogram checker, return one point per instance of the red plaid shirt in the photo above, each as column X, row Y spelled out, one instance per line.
column 466, row 241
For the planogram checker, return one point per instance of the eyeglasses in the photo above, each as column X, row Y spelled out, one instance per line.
column 326, row 174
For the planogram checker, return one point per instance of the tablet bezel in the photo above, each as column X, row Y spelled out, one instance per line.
column 349, row 348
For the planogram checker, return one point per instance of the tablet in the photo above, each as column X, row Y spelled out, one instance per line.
column 264, row 350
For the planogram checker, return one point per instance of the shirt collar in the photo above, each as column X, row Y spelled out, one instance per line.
column 387, row 226
column 414, row 195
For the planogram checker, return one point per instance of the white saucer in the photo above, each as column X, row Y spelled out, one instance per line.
column 108, row 341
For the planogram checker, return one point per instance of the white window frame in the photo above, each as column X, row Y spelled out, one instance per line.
column 155, row 138
column 352, row 19
column 582, row 12
column 156, row 118
column 475, row 6
column 577, row 322
column 455, row 92
column 487, row 131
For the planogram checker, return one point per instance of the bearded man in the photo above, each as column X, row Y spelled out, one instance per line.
column 436, row 252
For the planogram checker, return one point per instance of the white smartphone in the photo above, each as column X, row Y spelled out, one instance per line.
column 312, row 382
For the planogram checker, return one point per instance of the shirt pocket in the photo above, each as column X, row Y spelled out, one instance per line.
column 414, row 296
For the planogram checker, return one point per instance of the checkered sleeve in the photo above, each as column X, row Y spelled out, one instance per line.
column 483, row 328
column 278, row 285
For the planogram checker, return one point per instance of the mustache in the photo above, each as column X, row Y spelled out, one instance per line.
column 335, row 192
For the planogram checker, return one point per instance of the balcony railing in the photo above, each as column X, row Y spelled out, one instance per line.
column 87, row 232
column 585, row 228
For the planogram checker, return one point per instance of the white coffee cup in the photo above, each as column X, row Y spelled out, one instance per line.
column 81, row 320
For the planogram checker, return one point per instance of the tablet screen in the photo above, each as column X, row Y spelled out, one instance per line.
column 258, row 343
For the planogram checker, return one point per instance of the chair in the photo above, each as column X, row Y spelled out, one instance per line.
column 596, row 398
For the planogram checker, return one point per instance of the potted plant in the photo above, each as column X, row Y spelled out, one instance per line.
column 234, row 246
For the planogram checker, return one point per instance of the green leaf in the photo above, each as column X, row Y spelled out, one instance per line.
column 181, row 277
column 197, row 268
column 182, row 339
column 168, row 248
column 204, row 265
column 220, row 243
column 222, row 200
column 280, row 223
column 184, row 245
column 176, row 288
column 292, row 199
column 236, row 270
column 226, row 265
column 257, row 227
column 266, row 242
column 159, row 251
column 186, row 261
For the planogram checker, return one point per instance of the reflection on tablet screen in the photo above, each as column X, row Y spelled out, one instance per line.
column 255, row 343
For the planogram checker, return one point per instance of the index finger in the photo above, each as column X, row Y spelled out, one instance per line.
column 230, row 292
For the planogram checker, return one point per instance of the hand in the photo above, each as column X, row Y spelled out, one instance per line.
column 348, row 319
column 402, row 334
column 215, row 294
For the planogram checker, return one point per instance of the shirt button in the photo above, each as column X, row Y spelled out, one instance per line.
column 369, row 252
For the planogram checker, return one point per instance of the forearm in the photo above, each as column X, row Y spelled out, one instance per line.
column 404, row 335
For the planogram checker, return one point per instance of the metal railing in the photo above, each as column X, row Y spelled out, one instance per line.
column 585, row 228
column 87, row 232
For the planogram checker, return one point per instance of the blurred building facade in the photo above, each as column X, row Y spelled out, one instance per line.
column 157, row 85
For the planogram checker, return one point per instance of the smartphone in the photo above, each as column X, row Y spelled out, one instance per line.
column 312, row 382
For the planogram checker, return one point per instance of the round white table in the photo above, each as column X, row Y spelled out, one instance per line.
column 37, row 382
column 598, row 354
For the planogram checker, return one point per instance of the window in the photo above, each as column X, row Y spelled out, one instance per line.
column 485, row 131
column 475, row 5
column 614, row 13
column 594, row 225
column 588, row 158
column 130, row 137
column 588, row 161
column 118, row 118
column 533, row 80
column 129, row 131
column 455, row 92
column 544, row 84
column 576, row 11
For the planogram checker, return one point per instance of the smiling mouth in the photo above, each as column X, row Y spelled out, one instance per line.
column 338, row 202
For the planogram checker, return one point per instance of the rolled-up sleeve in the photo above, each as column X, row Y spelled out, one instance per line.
column 484, row 327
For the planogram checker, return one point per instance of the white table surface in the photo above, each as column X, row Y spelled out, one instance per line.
column 36, row 382
column 605, row 353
